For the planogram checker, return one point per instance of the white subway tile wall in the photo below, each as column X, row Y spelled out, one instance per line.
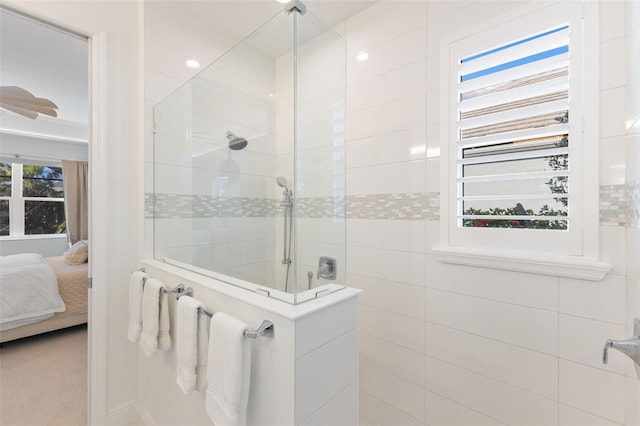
column 443, row 344
column 499, row 347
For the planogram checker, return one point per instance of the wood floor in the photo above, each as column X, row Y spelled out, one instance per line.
column 43, row 379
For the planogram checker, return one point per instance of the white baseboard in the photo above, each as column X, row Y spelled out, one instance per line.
column 124, row 415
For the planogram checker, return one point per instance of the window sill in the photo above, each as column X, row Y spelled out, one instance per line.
column 33, row 237
column 559, row 265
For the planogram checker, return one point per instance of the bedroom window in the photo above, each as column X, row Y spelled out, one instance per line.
column 519, row 140
column 31, row 200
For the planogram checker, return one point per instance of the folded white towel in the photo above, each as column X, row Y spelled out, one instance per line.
column 153, row 317
column 228, row 371
column 164, row 338
column 136, row 284
column 187, row 343
column 203, row 352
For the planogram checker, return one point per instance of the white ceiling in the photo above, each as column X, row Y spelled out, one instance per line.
column 53, row 64
column 236, row 19
column 50, row 64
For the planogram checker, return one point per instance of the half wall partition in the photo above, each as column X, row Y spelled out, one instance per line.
column 249, row 163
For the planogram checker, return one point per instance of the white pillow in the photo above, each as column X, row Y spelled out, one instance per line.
column 77, row 253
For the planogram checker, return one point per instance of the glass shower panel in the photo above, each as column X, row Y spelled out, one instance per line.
column 249, row 181
column 320, row 210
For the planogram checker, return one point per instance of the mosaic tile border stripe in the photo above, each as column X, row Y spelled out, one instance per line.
column 619, row 206
column 613, row 205
column 633, row 198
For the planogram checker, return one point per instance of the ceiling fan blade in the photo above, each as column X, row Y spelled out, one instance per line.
column 16, row 95
column 40, row 107
column 27, row 113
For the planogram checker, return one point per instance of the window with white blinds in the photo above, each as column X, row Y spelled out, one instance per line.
column 513, row 134
column 519, row 141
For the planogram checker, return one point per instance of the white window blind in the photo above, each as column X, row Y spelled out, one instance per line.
column 513, row 134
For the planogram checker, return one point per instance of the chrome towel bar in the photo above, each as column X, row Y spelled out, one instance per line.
column 266, row 328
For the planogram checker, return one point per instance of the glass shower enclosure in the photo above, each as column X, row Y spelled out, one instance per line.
column 249, row 163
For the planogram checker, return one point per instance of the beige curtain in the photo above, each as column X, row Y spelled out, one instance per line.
column 76, row 199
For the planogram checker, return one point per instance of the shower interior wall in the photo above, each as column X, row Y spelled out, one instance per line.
column 251, row 93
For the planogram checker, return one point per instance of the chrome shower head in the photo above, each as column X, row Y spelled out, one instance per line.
column 282, row 182
column 236, row 143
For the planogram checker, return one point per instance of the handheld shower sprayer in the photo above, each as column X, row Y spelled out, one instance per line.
column 287, row 210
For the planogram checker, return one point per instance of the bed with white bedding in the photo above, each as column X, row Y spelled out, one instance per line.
column 40, row 294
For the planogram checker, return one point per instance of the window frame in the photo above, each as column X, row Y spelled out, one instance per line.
column 572, row 253
column 17, row 203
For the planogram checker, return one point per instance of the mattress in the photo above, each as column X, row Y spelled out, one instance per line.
column 72, row 284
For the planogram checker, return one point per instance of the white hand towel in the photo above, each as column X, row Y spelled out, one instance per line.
column 228, row 371
column 203, row 352
column 187, row 343
column 136, row 284
column 164, row 338
column 151, row 316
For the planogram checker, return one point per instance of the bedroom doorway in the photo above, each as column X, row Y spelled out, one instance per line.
column 44, row 156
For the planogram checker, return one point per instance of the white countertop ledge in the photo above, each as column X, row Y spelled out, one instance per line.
column 278, row 307
column 556, row 265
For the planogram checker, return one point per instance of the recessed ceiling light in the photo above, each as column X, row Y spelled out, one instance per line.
column 362, row 56
column 192, row 63
column 282, row 1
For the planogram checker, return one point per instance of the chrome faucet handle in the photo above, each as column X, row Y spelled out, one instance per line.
column 629, row 347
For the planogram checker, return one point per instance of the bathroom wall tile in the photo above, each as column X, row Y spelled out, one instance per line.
column 612, row 20
column 387, row 179
column 399, row 393
column 437, row 10
column 612, row 52
column 327, row 80
column 529, row 370
column 599, row 300
column 407, row 299
column 323, row 373
column 396, row 84
column 394, row 359
column 582, row 340
column 394, row 54
column 387, row 234
column 323, row 108
column 190, row 39
column 433, row 138
column 612, row 249
column 402, row 114
column 518, row 325
column 612, row 112
column 173, row 232
column 633, row 400
column 342, row 408
column 398, row 266
column 570, row 416
column 368, row 14
column 324, row 51
column 395, row 147
column 612, row 161
column 158, row 86
column 394, row 328
column 313, row 331
column 433, row 174
column 432, row 237
column 377, row 412
column 592, row 390
column 434, row 107
column 167, row 60
column 384, row 27
column 445, row 412
column 490, row 397
column 536, row 291
column 458, row 17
